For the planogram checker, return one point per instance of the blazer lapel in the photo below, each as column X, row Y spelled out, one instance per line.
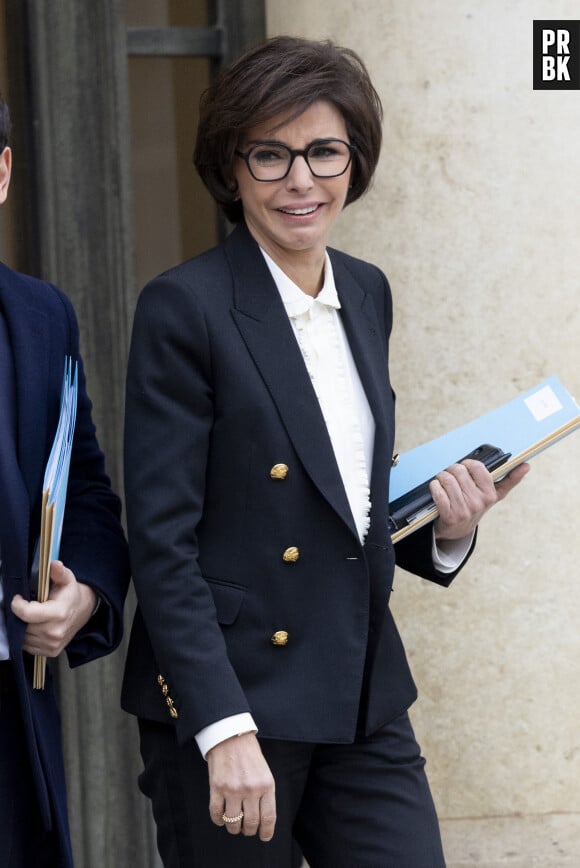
column 15, row 503
column 264, row 326
column 29, row 339
column 365, row 335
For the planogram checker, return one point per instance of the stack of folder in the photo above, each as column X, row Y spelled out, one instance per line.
column 506, row 437
column 54, row 495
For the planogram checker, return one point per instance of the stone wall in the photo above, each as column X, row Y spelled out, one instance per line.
column 474, row 217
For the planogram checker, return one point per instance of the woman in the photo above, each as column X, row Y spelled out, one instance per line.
column 264, row 665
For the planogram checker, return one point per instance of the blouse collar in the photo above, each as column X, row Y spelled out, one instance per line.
column 294, row 299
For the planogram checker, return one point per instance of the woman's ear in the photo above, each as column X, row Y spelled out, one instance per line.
column 233, row 188
column 5, row 170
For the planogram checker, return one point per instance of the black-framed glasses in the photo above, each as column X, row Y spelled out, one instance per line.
column 271, row 161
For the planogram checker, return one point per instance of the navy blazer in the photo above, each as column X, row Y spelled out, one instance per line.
column 42, row 330
column 217, row 394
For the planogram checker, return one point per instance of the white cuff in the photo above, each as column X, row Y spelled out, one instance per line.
column 236, row 724
column 456, row 550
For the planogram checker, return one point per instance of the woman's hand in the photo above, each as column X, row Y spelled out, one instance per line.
column 463, row 494
column 240, row 781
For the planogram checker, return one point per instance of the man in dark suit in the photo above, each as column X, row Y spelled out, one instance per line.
column 83, row 614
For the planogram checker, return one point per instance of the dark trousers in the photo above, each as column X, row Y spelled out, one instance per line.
column 362, row 805
column 23, row 841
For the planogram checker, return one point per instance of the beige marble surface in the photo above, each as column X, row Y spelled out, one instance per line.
column 538, row 841
column 474, row 217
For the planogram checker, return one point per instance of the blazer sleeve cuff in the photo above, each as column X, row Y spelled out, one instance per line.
column 99, row 636
column 448, row 557
column 236, row 724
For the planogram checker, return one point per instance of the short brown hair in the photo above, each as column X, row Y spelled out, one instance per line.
column 285, row 74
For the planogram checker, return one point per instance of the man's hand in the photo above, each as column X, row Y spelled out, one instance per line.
column 52, row 624
column 463, row 494
column 241, row 781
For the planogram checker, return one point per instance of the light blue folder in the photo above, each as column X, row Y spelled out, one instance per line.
column 54, row 493
column 523, row 427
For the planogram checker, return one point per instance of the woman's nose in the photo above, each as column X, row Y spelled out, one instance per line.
column 299, row 177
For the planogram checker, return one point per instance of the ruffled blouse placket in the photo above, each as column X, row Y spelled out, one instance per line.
column 317, row 330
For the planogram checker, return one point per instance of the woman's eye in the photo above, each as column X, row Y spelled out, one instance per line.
column 321, row 152
column 267, row 156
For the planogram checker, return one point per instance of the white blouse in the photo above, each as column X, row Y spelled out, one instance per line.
column 343, row 402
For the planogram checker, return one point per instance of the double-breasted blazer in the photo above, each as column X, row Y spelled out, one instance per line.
column 254, row 591
column 42, row 329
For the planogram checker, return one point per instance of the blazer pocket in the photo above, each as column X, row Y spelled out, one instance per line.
column 228, row 600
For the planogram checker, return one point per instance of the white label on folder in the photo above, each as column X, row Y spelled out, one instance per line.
column 543, row 403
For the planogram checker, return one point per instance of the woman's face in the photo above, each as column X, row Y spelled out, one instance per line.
column 296, row 214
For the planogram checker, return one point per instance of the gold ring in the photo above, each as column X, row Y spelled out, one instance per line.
column 237, row 819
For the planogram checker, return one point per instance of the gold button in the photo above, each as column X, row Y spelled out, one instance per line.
column 165, row 690
column 172, row 708
column 160, row 680
column 279, row 471
column 291, row 555
column 280, row 637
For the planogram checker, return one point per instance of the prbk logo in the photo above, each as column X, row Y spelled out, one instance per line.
column 556, row 55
